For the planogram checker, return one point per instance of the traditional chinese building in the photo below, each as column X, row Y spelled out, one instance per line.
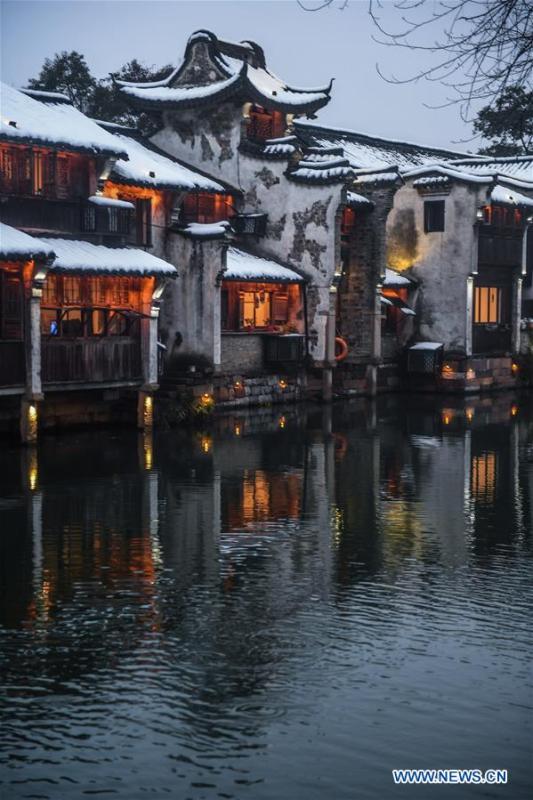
column 79, row 304
column 460, row 231
column 223, row 111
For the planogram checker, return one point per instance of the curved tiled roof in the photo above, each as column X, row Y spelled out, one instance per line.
column 241, row 72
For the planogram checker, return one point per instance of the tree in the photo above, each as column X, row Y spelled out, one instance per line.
column 508, row 123
column 476, row 48
column 109, row 102
column 67, row 73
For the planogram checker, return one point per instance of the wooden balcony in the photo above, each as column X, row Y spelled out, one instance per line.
column 75, row 217
column 114, row 359
column 12, row 364
column 498, row 248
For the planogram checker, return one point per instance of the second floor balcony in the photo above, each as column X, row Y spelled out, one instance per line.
column 76, row 217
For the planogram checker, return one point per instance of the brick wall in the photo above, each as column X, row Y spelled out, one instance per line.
column 241, row 353
column 363, row 267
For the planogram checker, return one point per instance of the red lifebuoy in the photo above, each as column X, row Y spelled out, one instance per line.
column 343, row 345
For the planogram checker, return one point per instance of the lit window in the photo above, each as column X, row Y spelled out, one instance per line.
column 488, row 305
column 255, row 309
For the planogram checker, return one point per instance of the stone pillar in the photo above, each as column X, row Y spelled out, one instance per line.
column 33, row 343
column 29, row 409
column 149, row 327
column 372, row 370
column 217, row 324
column 329, row 347
column 469, row 314
column 516, row 314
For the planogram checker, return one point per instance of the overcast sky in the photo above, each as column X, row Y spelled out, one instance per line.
column 303, row 48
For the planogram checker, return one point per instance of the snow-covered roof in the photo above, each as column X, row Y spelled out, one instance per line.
column 239, row 70
column 284, row 146
column 78, row 256
column 322, row 166
column 26, row 120
column 355, row 200
column 519, row 168
column 206, row 230
column 393, row 278
column 244, row 266
column 372, row 152
column 433, row 171
column 502, row 194
column 18, row 246
column 148, row 166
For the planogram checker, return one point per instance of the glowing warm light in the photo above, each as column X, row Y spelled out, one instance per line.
column 484, row 475
column 514, row 410
column 283, row 384
column 515, row 368
column 33, row 479
column 447, row 416
column 148, row 412
column 447, row 370
column 206, row 443
column 237, row 430
column 470, row 374
column 237, row 385
column 469, row 414
column 282, row 422
column 148, row 456
column 32, row 419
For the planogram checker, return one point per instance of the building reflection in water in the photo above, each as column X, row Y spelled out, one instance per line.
column 319, row 502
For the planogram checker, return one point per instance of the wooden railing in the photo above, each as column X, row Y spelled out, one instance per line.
column 111, row 360
column 12, row 363
column 70, row 216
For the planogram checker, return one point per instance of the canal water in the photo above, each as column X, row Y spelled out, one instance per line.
column 288, row 605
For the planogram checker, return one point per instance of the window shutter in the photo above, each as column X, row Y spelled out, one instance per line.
column 280, row 308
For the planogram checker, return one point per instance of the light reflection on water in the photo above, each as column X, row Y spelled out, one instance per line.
column 286, row 611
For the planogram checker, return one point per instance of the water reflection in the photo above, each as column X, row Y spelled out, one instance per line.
column 287, row 605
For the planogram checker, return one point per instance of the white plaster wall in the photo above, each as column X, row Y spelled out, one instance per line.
column 207, row 139
column 440, row 262
column 191, row 303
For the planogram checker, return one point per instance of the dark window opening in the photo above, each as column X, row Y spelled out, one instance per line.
column 29, row 171
column 144, row 222
column 11, row 306
column 433, row 216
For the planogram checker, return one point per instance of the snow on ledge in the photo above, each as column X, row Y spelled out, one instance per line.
column 110, row 202
column 244, row 266
column 427, row 346
column 206, row 230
